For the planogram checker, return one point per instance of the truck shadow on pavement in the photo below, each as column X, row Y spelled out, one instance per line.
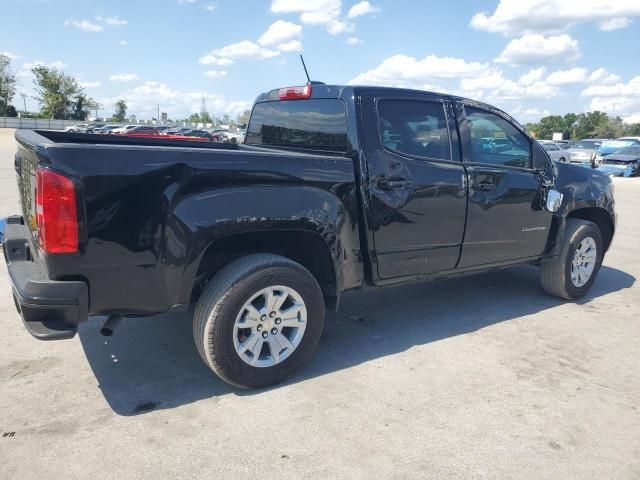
column 151, row 363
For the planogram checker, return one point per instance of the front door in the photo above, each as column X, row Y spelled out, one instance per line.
column 416, row 183
column 505, row 219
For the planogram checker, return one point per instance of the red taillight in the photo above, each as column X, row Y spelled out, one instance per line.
column 56, row 212
column 295, row 93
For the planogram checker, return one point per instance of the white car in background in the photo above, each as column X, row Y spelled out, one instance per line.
column 585, row 152
column 124, row 129
column 78, row 127
column 555, row 151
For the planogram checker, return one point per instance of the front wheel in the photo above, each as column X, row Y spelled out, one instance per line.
column 572, row 273
column 258, row 320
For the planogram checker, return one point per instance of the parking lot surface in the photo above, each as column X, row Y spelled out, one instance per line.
column 480, row 377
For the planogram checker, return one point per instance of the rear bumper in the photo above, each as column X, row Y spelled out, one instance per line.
column 50, row 309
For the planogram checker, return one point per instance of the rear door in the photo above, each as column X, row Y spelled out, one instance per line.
column 505, row 219
column 416, row 182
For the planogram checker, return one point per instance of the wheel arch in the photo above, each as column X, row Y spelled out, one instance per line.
column 307, row 248
column 601, row 218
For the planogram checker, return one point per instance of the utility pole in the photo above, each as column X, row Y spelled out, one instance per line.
column 158, row 117
column 24, row 101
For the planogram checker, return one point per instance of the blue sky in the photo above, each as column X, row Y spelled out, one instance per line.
column 530, row 58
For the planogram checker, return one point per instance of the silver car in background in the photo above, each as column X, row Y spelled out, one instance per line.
column 585, row 152
column 555, row 151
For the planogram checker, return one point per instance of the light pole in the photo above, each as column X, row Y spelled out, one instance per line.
column 24, row 101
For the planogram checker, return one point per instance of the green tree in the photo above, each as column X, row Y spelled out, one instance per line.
column 57, row 93
column 243, row 118
column 82, row 106
column 7, row 84
column 634, row 129
column 121, row 111
column 611, row 128
column 587, row 123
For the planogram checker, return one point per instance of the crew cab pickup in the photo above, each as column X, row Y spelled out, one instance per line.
column 335, row 188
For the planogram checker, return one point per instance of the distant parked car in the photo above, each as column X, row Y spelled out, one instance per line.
column 554, row 150
column 124, row 129
column 198, row 133
column 76, row 128
column 176, row 131
column 141, row 130
column 612, row 146
column 624, row 162
column 107, row 129
column 92, row 127
column 585, row 151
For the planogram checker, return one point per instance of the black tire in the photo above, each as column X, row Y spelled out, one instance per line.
column 225, row 295
column 555, row 274
column 562, row 159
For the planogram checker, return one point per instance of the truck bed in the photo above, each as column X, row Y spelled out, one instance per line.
column 149, row 208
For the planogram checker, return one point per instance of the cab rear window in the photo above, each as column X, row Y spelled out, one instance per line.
column 319, row 124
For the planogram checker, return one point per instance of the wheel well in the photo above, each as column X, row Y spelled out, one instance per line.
column 306, row 248
column 601, row 218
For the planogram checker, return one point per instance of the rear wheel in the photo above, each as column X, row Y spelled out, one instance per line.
column 571, row 274
column 258, row 320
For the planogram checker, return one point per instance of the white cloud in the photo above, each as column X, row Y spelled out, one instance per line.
column 618, row 99
column 325, row 13
column 58, row 64
column 402, row 70
column 532, row 76
column 144, row 99
column 545, row 16
column 123, row 77
column 568, row 77
column 90, row 84
column 215, row 73
column 292, row 46
column 210, row 59
column 84, row 25
column 632, row 118
column 603, row 77
column 12, row 56
column 124, row 42
column 279, row 32
column 362, row 8
column 244, row 49
column 632, row 88
column 211, row 7
column 528, row 114
column 532, row 49
column 614, row 24
column 113, row 21
column 496, row 88
column 353, row 41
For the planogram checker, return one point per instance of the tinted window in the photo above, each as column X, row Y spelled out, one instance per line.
column 496, row 141
column 316, row 124
column 414, row 128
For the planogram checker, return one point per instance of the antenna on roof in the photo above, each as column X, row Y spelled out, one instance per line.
column 305, row 69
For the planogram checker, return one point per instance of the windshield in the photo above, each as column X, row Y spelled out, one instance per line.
column 635, row 150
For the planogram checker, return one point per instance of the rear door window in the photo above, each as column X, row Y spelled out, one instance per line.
column 415, row 127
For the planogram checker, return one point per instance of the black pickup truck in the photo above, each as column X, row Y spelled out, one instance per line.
column 334, row 188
